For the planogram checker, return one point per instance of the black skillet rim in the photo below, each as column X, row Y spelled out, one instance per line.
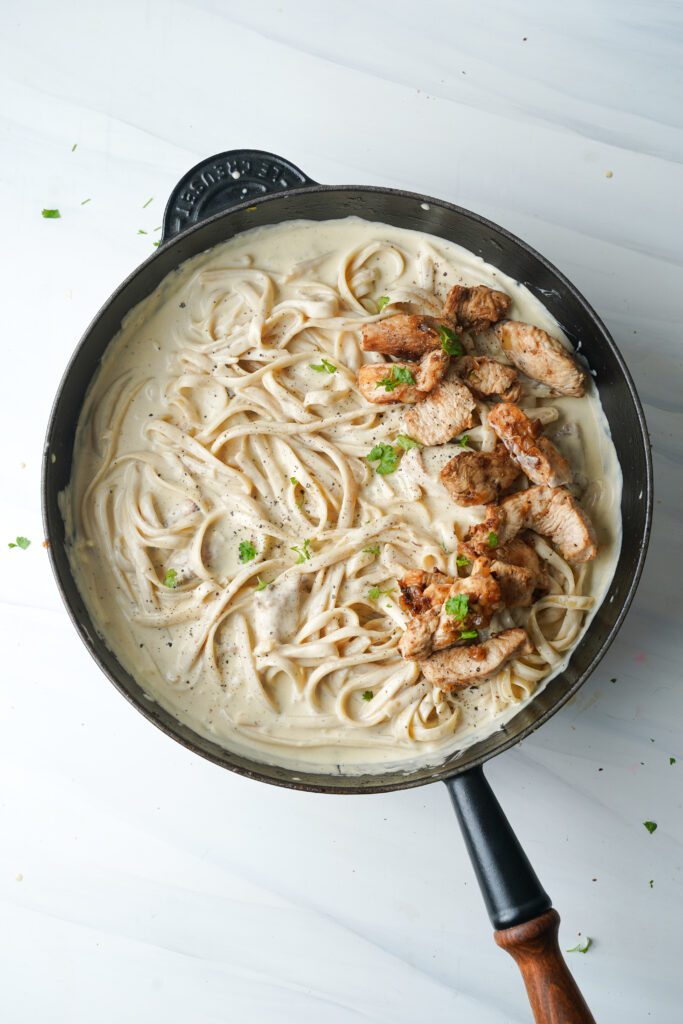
column 254, row 769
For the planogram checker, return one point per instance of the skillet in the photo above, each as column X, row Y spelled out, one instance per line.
column 243, row 189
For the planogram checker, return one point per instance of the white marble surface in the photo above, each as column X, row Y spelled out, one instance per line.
column 140, row 883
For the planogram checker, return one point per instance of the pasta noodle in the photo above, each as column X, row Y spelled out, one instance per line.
column 236, row 549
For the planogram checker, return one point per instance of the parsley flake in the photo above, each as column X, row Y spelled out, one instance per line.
column 386, row 457
column 651, row 826
column 367, row 695
column 397, row 375
column 469, row 634
column 73, row 148
column 382, row 301
column 406, row 443
column 84, row 201
column 144, row 205
column 458, row 606
column 463, row 442
column 493, row 539
column 141, row 231
column 581, row 947
column 247, row 551
column 672, row 760
column 374, row 593
column 171, row 579
column 51, row 214
column 324, row 366
column 450, row 343
column 372, row 549
column 20, row 542
column 295, row 483
column 262, row 584
column 461, row 561
column 651, row 883
column 303, row 552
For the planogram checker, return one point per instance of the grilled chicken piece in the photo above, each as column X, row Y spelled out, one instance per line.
column 459, row 667
column 540, row 356
column 384, row 383
column 416, row 642
column 536, row 455
column 518, row 586
column 475, row 309
column 404, row 335
column 487, row 377
column 550, row 511
column 423, row 591
column 475, row 600
column 479, row 478
column 448, row 410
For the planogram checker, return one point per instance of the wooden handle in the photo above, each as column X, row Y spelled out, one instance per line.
column 554, row 995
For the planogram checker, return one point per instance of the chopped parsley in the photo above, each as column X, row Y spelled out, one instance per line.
column 303, row 552
column 582, row 947
column 464, row 441
column 141, row 231
column 372, row 549
column 247, row 551
column 406, row 443
column 458, row 606
column 397, row 375
column 261, row 585
column 144, row 205
column 368, row 695
column 73, row 148
column 469, row 634
column 651, row 883
column 450, row 343
column 324, row 366
column 493, row 539
column 651, row 826
column 84, row 201
column 171, row 579
column 155, row 244
column 386, row 457
column 374, row 593
column 295, row 483
column 20, row 542
column 51, row 214
column 461, row 561
column 382, row 301
column 672, row 760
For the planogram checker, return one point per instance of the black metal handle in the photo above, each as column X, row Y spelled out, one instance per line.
column 226, row 180
column 511, row 890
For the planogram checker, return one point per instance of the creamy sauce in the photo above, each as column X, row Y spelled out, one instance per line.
column 201, row 463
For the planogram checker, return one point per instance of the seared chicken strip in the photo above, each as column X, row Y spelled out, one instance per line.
column 540, row 356
column 384, row 383
column 475, row 309
column 518, row 571
column 550, row 511
column 487, row 377
column 404, row 335
column 479, row 478
column 422, row 595
column 470, row 605
column 449, row 409
column 535, row 454
column 459, row 667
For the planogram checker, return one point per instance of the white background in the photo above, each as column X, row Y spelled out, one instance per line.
column 141, row 884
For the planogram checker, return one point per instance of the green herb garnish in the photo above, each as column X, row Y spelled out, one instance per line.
column 581, row 947
column 469, row 634
column 458, row 606
column 406, row 443
column 51, row 214
column 303, row 552
column 368, row 695
column 651, row 883
column 450, row 343
column 386, row 457
column 324, row 366
column 144, row 205
column 651, row 826
column 247, row 551
column 374, row 593
column 171, row 579
column 382, row 301
column 463, row 442
column 461, row 561
column 372, row 549
column 20, row 542
column 295, row 483
column 397, row 375
column 493, row 539
column 141, row 231
column 261, row 585
column 73, row 148
column 84, row 201
column 672, row 760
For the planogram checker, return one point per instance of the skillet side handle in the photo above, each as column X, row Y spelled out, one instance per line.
column 518, row 906
column 228, row 179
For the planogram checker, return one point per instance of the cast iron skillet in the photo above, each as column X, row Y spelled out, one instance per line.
column 243, row 189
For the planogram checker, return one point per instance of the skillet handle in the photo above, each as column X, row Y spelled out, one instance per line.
column 518, row 906
column 226, row 180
